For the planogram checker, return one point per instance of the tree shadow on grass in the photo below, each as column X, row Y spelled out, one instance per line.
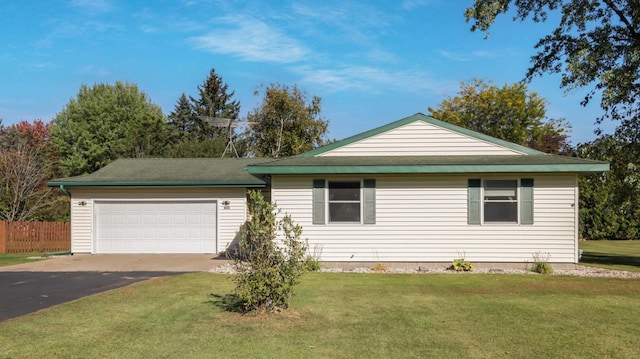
column 609, row 259
column 227, row 302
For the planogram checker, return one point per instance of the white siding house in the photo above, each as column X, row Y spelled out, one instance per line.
column 417, row 190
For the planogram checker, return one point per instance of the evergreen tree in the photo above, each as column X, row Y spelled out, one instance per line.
column 192, row 133
column 214, row 101
column 183, row 121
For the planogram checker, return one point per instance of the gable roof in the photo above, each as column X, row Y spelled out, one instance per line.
column 419, row 117
column 519, row 159
column 542, row 163
column 169, row 172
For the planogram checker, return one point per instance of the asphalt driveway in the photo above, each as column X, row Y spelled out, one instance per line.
column 123, row 263
column 26, row 292
column 29, row 287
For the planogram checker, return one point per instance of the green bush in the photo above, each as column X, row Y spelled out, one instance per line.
column 270, row 261
column 540, row 264
column 461, row 265
column 312, row 264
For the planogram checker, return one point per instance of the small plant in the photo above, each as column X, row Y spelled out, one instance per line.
column 380, row 267
column 461, row 265
column 312, row 264
column 541, row 264
column 312, row 260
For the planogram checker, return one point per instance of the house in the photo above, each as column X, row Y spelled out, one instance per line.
column 417, row 190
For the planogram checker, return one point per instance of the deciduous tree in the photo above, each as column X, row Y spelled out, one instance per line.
column 105, row 122
column 595, row 44
column 286, row 123
column 27, row 161
column 511, row 113
column 609, row 206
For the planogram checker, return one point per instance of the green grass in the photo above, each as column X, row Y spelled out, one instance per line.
column 620, row 255
column 345, row 315
column 11, row 259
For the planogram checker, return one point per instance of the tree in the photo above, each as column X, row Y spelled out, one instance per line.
column 27, row 161
column 105, row 122
column 214, row 101
column 183, row 120
column 608, row 202
column 511, row 113
column 192, row 135
column 596, row 43
column 286, row 123
column 268, row 271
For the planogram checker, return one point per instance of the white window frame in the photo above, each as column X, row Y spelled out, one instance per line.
column 517, row 201
column 329, row 201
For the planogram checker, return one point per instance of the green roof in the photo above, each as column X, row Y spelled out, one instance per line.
column 174, row 172
column 429, row 120
column 428, row 164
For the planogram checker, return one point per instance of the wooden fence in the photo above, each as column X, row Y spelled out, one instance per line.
column 28, row 237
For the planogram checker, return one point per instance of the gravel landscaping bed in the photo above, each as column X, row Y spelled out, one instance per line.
column 581, row 271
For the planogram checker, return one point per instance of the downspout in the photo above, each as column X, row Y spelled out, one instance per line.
column 64, row 191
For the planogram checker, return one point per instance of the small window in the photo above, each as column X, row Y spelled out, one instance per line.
column 344, row 201
column 501, row 201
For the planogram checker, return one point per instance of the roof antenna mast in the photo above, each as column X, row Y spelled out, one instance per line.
column 229, row 124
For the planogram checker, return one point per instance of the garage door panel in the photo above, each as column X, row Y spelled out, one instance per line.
column 155, row 227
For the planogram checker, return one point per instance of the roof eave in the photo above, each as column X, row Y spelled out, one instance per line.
column 432, row 169
column 226, row 184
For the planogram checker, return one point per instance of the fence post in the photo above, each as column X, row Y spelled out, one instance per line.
column 3, row 237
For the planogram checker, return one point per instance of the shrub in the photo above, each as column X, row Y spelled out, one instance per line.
column 541, row 264
column 268, row 270
column 461, row 265
column 312, row 264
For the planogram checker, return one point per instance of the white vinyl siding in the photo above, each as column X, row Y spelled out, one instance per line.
column 420, row 139
column 230, row 217
column 424, row 219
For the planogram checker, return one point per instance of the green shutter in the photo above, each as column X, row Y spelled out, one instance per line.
column 318, row 201
column 369, row 201
column 526, row 202
column 474, row 202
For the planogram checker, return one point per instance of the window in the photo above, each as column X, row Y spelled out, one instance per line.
column 344, row 201
column 501, row 201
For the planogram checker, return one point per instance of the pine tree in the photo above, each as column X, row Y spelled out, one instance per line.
column 182, row 121
column 214, row 101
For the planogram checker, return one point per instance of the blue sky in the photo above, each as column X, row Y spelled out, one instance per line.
column 371, row 62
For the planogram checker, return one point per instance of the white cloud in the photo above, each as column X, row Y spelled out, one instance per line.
column 96, row 6
column 94, row 71
column 412, row 4
column 453, row 56
column 251, row 40
column 371, row 79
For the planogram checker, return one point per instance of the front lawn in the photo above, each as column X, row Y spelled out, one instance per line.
column 345, row 315
column 619, row 255
column 11, row 259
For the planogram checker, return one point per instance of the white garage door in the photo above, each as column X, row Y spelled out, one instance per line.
column 155, row 227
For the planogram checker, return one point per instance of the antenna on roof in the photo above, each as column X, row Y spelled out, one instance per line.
column 229, row 124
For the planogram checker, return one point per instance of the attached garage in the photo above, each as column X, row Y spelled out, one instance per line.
column 160, row 205
column 155, row 226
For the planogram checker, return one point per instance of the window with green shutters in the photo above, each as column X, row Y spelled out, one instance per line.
column 344, row 201
column 500, row 201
